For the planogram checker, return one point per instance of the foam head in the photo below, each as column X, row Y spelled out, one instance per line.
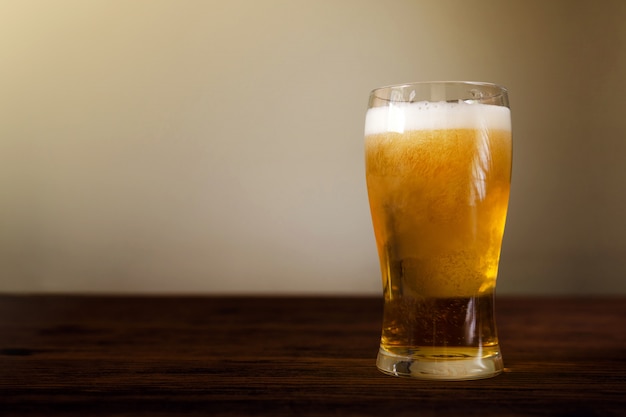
column 402, row 117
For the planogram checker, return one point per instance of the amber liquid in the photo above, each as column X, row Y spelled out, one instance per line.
column 443, row 328
column 438, row 200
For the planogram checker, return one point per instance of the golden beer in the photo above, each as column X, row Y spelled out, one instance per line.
column 438, row 178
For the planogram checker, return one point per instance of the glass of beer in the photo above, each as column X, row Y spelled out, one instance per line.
column 438, row 170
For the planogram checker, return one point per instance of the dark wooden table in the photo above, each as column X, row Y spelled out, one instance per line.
column 221, row 356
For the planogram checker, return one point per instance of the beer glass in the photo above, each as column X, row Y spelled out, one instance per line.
column 438, row 170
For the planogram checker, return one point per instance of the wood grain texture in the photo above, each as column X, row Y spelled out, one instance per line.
column 284, row 356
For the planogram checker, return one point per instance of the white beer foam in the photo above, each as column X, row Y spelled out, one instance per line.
column 423, row 115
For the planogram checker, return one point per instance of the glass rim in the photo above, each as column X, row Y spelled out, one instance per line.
column 500, row 90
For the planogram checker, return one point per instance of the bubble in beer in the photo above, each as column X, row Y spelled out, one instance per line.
column 476, row 94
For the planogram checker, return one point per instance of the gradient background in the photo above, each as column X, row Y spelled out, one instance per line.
column 168, row 146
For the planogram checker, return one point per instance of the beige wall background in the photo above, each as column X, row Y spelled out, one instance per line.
column 151, row 146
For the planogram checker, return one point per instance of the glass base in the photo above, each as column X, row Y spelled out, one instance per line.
column 444, row 363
